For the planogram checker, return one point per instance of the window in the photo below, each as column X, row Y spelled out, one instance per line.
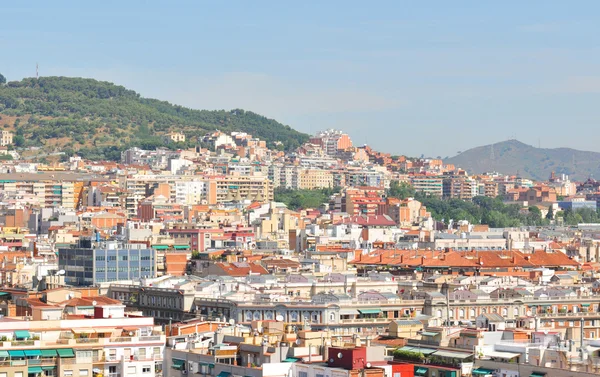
column 100, row 258
column 146, row 369
column 3, row 374
column 84, row 354
column 131, row 370
column 156, row 351
column 66, row 373
column 302, row 374
column 84, row 372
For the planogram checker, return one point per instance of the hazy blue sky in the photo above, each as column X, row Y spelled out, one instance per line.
column 404, row 77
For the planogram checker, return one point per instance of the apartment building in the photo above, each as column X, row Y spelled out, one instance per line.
column 315, row 178
column 459, row 188
column 332, row 141
column 428, row 185
column 95, row 346
column 47, row 194
column 237, row 188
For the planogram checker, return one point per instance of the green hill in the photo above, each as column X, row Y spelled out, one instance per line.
column 99, row 119
column 512, row 157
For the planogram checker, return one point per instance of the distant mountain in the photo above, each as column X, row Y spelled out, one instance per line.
column 512, row 157
column 98, row 119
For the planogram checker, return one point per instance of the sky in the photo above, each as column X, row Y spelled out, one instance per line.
column 414, row 78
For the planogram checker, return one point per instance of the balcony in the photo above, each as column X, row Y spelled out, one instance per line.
column 366, row 320
column 86, row 340
column 151, row 338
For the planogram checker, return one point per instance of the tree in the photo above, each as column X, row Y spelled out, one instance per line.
column 2, row 79
column 19, row 140
column 401, row 190
column 550, row 214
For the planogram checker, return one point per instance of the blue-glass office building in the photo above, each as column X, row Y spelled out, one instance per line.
column 99, row 262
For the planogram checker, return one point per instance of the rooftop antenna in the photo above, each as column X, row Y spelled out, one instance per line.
column 37, row 71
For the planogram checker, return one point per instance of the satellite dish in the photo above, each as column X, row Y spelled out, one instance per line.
column 60, row 272
column 232, row 321
column 331, row 360
column 298, row 342
column 340, row 355
column 94, row 303
column 368, row 365
column 529, row 312
column 131, row 333
column 279, row 318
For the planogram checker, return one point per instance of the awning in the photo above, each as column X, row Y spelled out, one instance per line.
column 537, row 374
column 585, row 305
column 224, row 374
column 290, row 360
column 420, row 371
column 502, row 355
column 4, row 294
column 18, row 353
column 348, row 312
column 83, row 331
column 178, row 364
column 181, row 247
column 3, row 353
column 482, row 371
column 454, row 355
column 369, row 311
column 429, row 333
column 424, row 351
column 32, row 353
column 49, row 367
column 407, row 349
column 65, row 352
column 35, row 370
column 49, row 353
column 22, row 334
column 160, row 247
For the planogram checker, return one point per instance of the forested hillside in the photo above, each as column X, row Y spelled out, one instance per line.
column 99, row 119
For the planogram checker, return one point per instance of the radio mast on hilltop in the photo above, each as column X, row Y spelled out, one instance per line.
column 37, row 71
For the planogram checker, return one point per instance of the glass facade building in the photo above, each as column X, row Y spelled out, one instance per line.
column 105, row 262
